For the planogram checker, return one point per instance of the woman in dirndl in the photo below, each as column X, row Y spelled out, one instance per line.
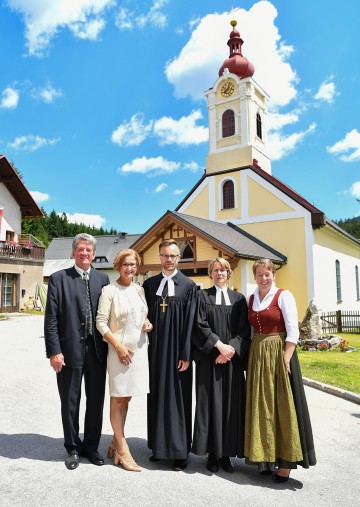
column 278, row 434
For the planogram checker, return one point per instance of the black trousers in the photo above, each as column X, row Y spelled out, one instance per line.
column 69, row 382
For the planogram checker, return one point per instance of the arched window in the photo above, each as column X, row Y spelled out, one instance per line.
column 258, row 126
column 338, row 281
column 228, row 195
column 228, row 123
column 357, row 283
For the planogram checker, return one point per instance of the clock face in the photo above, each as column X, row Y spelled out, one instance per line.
column 227, row 89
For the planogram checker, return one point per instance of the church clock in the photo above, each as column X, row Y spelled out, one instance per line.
column 227, row 89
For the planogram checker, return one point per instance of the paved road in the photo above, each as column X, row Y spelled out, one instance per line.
column 32, row 471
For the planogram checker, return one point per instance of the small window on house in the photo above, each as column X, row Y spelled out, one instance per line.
column 357, row 283
column 258, row 126
column 228, row 195
column 228, row 123
column 338, row 281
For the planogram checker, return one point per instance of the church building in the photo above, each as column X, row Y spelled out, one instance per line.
column 240, row 211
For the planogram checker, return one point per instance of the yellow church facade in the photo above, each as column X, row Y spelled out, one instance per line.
column 240, row 211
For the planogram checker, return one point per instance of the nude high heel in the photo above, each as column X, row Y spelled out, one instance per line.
column 126, row 461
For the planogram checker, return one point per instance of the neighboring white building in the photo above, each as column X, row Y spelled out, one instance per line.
column 21, row 256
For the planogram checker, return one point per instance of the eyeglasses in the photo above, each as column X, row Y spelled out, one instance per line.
column 219, row 270
column 131, row 266
column 171, row 256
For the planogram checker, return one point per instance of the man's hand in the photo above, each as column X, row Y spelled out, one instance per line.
column 183, row 365
column 57, row 362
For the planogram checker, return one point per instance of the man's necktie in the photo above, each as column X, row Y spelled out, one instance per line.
column 89, row 328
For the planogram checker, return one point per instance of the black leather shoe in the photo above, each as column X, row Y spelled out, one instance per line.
column 212, row 463
column 180, row 464
column 280, row 479
column 227, row 464
column 153, row 459
column 94, row 457
column 72, row 461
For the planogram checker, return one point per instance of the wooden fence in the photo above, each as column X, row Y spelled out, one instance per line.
column 340, row 322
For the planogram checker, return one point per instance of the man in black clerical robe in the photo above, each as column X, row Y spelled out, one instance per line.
column 171, row 298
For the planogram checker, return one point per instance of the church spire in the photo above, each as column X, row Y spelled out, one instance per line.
column 236, row 63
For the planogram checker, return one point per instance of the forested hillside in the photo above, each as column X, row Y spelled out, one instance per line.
column 55, row 226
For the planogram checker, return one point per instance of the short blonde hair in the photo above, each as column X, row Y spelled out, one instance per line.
column 265, row 263
column 223, row 263
column 120, row 256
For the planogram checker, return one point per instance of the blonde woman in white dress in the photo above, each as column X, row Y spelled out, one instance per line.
column 122, row 321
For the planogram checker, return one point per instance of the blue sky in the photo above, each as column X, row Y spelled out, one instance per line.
column 102, row 107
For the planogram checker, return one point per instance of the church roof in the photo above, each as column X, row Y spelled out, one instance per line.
column 14, row 184
column 227, row 238
column 240, row 242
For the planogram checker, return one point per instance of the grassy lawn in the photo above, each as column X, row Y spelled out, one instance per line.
column 339, row 369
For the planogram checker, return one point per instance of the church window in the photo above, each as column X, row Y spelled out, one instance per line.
column 338, row 281
column 357, row 283
column 228, row 195
column 228, row 123
column 258, row 126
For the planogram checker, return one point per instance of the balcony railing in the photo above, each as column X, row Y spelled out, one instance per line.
column 10, row 250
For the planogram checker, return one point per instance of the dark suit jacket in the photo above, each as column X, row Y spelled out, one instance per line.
column 65, row 315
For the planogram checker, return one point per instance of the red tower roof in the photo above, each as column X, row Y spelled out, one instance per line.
column 236, row 63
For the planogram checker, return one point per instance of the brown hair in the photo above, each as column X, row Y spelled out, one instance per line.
column 266, row 263
column 167, row 242
column 120, row 256
column 223, row 263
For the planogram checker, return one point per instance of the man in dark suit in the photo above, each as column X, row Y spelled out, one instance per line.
column 76, row 349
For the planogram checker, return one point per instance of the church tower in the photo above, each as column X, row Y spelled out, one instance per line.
column 237, row 108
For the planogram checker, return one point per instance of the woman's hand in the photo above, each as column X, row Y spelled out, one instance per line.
column 147, row 327
column 288, row 352
column 125, row 354
column 221, row 359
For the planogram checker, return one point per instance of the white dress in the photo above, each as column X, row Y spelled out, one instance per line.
column 123, row 311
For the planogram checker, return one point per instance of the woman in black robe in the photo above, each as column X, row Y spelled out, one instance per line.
column 222, row 340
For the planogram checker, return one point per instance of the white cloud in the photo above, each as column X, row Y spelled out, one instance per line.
column 132, row 133
column 45, row 18
column 191, row 166
column 31, row 143
column 327, row 91
column 183, row 131
column 200, row 59
column 282, row 145
column 277, row 121
column 348, row 149
column 178, row 191
column 161, row 187
column 47, row 93
column 89, row 30
column 39, row 196
column 154, row 166
column 354, row 190
column 10, row 98
column 87, row 219
column 127, row 20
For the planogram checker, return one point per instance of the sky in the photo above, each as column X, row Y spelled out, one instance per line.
column 102, row 106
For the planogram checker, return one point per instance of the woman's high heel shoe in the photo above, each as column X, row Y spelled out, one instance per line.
column 126, row 461
column 111, row 451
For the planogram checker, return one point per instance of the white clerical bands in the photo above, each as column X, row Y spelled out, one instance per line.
column 171, row 286
column 218, row 297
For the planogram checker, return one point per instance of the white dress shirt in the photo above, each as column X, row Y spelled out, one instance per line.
column 223, row 290
column 288, row 309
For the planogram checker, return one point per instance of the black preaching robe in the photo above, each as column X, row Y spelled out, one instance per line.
column 169, row 401
column 220, row 388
